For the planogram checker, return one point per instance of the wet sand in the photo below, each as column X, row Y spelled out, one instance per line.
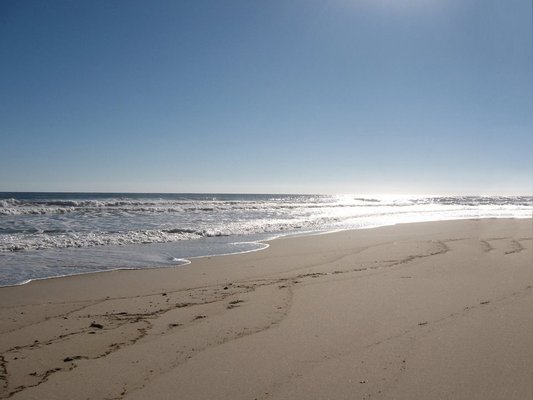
column 438, row 310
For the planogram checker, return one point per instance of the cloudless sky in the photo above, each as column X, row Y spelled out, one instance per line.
column 333, row 96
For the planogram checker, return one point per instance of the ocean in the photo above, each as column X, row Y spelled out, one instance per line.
column 45, row 235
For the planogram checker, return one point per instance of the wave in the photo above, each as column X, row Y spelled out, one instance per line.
column 15, row 207
column 41, row 240
column 19, row 242
column 37, row 223
column 41, row 236
column 62, row 239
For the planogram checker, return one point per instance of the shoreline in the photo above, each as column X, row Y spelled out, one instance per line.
column 278, row 236
column 405, row 311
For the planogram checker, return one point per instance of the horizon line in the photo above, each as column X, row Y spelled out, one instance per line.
column 275, row 193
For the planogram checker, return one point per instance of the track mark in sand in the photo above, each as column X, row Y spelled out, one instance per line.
column 480, row 305
column 234, row 303
column 36, row 377
column 441, row 248
column 50, row 317
column 333, row 260
column 516, row 247
column 311, row 275
column 145, row 308
column 431, row 326
column 454, row 240
column 486, row 246
column 454, row 315
column 42, row 378
column 3, row 373
column 497, row 238
column 144, row 312
column 131, row 326
column 221, row 333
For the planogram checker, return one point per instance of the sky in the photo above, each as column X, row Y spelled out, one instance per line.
column 303, row 96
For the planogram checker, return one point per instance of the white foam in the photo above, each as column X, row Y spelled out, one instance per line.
column 86, row 223
column 40, row 238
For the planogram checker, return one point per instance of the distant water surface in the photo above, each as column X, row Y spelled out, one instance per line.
column 53, row 234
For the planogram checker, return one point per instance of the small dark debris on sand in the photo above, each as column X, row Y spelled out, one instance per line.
column 485, row 302
column 199, row 317
column 174, row 325
column 422, row 323
column 96, row 325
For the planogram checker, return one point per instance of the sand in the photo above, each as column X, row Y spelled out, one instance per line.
column 438, row 310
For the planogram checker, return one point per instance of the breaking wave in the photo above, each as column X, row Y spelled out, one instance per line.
column 55, row 234
column 42, row 221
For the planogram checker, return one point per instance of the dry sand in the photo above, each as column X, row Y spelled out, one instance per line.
column 418, row 311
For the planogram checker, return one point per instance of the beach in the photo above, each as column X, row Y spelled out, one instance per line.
column 430, row 310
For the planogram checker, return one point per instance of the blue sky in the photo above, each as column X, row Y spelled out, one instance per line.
column 334, row 96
